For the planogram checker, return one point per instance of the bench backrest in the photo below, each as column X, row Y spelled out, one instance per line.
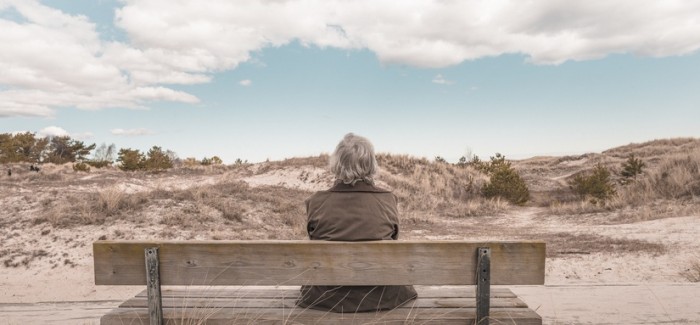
column 318, row 262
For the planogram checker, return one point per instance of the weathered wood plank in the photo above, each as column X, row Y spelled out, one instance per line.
column 154, row 301
column 214, row 316
column 318, row 262
column 293, row 292
column 189, row 302
column 483, row 286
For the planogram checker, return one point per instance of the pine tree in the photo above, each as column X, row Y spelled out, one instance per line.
column 632, row 167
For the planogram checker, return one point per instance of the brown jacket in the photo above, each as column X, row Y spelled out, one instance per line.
column 353, row 213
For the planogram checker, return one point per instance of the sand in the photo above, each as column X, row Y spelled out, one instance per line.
column 611, row 287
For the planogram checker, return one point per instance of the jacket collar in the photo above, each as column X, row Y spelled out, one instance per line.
column 359, row 187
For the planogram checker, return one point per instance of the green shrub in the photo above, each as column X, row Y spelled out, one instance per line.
column 64, row 149
column 98, row 164
column 190, row 162
column 462, row 162
column 130, row 159
column 631, row 168
column 81, row 167
column 216, row 160
column 504, row 181
column 597, row 185
column 485, row 166
column 157, row 159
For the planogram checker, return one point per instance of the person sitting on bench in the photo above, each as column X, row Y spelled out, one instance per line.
column 354, row 209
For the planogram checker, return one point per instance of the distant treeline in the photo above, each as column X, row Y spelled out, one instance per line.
column 29, row 148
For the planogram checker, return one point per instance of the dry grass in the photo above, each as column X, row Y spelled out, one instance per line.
column 427, row 191
column 17, row 257
column 655, row 148
column 320, row 161
column 669, row 187
column 676, row 177
column 432, row 189
column 692, row 273
column 111, row 199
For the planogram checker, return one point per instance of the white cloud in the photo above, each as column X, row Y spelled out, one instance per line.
column 52, row 131
column 439, row 79
column 427, row 34
column 245, row 82
column 185, row 42
column 52, row 60
column 132, row 132
column 55, row 131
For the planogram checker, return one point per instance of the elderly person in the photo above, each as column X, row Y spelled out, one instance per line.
column 354, row 209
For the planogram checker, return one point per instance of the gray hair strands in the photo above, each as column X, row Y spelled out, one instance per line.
column 354, row 160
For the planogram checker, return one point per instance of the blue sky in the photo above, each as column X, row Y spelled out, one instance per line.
column 254, row 82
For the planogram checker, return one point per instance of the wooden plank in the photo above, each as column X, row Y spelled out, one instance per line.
column 154, row 301
column 483, row 286
column 188, row 302
column 293, row 292
column 214, row 316
column 318, row 262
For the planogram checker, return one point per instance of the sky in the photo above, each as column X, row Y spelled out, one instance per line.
column 268, row 79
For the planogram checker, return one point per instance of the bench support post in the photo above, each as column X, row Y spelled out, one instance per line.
column 155, row 304
column 483, row 285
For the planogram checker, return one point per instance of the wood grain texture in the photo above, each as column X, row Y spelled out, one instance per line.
column 318, row 262
column 210, row 302
column 215, row 316
column 293, row 292
column 154, row 302
column 483, row 286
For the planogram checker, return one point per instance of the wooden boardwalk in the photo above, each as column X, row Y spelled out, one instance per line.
column 567, row 304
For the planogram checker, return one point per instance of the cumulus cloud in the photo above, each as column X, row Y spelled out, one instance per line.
column 245, row 82
column 52, row 131
column 420, row 33
column 55, row 131
column 51, row 59
column 184, row 42
column 132, row 132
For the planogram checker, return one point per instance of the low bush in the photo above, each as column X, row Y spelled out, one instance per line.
column 130, row 159
column 631, row 168
column 81, row 167
column 504, row 181
column 157, row 160
column 597, row 185
column 99, row 164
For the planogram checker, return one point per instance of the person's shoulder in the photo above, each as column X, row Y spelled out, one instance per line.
column 318, row 196
column 385, row 195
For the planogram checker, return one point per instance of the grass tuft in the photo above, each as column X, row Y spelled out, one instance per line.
column 692, row 273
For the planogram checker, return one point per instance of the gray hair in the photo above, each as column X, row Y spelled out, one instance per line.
column 354, row 160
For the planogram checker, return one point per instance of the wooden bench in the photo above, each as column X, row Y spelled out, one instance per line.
column 257, row 282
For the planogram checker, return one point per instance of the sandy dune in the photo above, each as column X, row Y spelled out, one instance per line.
column 47, row 271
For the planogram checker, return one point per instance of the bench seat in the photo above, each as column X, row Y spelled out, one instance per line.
column 257, row 282
column 270, row 305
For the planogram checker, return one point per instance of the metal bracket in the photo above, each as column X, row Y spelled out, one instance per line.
column 483, row 285
column 155, row 303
